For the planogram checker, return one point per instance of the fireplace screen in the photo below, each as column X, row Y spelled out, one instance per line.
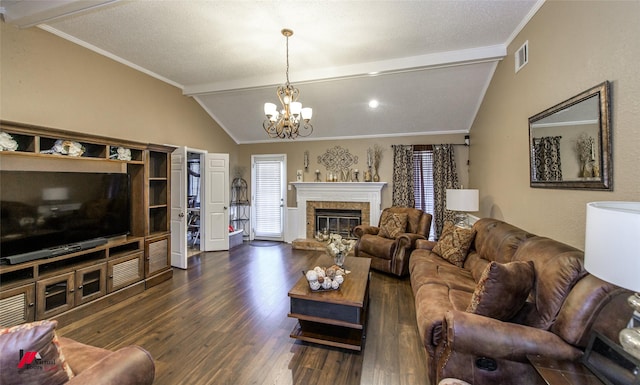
column 336, row 221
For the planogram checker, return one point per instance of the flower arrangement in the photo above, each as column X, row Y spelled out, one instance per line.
column 338, row 248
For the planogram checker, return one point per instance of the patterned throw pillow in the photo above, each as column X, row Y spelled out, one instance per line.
column 454, row 243
column 502, row 289
column 392, row 224
column 30, row 354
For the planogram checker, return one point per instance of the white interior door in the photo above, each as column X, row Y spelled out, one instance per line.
column 268, row 196
column 179, row 208
column 214, row 210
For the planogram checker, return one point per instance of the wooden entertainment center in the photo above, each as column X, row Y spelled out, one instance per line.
column 73, row 285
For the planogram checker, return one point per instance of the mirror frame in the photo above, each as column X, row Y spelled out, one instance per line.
column 604, row 140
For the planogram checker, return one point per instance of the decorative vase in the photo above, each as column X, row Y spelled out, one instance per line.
column 338, row 259
column 376, row 177
column 367, row 176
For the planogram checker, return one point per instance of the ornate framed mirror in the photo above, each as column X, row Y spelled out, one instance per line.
column 570, row 143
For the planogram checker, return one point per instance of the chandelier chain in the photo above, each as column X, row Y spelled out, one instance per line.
column 287, row 61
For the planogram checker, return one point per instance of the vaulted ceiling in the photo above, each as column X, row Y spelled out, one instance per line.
column 428, row 63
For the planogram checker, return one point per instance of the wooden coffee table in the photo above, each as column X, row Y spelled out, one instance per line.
column 335, row 317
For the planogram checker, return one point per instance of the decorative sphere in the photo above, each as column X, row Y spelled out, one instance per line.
column 314, row 285
column 326, row 284
column 335, row 285
column 312, row 275
column 339, row 279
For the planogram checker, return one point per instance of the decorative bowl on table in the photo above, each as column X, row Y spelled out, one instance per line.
column 329, row 278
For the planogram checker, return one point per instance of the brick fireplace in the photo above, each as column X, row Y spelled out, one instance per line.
column 362, row 208
column 362, row 196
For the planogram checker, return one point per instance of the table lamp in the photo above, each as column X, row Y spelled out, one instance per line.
column 612, row 253
column 462, row 201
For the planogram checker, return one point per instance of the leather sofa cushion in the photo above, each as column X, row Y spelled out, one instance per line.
column 379, row 246
column 502, row 290
column 428, row 267
column 496, row 240
column 433, row 300
column 476, row 265
column 557, row 268
column 454, row 243
column 18, row 347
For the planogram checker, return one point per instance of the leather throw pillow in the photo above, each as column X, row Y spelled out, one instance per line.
column 454, row 243
column 392, row 224
column 502, row 289
column 30, row 354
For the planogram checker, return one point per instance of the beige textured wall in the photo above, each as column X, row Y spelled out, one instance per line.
column 358, row 147
column 48, row 81
column 573, row 46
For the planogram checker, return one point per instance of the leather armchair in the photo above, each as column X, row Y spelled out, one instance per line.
column 392, row 255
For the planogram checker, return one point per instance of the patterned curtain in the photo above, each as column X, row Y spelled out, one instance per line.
column 444, row 177
column 547, row 158
column 403, row 192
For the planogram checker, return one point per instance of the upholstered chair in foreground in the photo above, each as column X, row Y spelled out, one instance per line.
column 390, row 243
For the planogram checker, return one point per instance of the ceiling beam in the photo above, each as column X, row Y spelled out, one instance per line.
column 413, row 63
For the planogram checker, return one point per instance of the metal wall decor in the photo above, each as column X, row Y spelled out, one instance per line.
column 338, row 160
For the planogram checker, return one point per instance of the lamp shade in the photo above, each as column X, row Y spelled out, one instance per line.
column 462, row 199
column 612, row 243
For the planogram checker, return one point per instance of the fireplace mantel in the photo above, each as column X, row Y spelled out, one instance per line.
column 370, row 192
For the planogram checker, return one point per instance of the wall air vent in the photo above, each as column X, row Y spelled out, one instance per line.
column 522, row 56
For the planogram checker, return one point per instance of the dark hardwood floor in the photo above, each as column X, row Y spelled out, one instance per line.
column 224, row 321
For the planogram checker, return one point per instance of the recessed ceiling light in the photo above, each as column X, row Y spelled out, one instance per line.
column 373, row 103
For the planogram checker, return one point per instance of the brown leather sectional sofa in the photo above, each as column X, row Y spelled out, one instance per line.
column 563, row 307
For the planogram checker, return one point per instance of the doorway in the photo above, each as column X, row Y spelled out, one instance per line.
column 199, row 199
column 194, row 194
column 268, row 196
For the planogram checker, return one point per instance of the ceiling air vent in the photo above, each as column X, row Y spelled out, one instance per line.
column 522, row 56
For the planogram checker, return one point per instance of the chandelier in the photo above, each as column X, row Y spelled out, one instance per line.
column 292, row 120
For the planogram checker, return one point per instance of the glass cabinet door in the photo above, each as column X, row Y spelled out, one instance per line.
column 55, row 295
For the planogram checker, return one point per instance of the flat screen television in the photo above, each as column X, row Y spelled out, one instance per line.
column 42, row 210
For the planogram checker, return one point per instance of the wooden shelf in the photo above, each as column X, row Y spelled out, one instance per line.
column 330, row 335
column 147, row 248
column 40, row 141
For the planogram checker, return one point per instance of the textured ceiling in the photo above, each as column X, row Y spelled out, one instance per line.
column 433, row 59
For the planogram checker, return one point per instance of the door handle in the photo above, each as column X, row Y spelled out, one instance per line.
column 225, row 207
column 181, row 215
